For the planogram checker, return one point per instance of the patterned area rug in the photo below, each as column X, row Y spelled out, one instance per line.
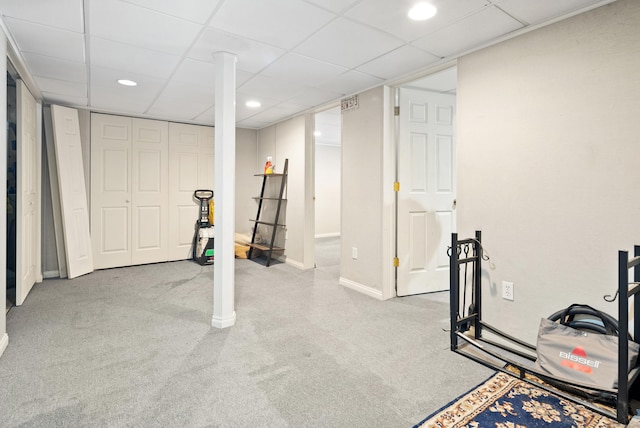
column 504, row 401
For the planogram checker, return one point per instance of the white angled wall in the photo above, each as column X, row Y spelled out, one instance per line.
column 548, row 162
column 327, row 190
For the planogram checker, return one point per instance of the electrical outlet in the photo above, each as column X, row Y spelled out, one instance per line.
column 507, row 290
column 354, row 253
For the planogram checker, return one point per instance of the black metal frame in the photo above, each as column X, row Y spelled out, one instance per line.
column 275, row 224
column 467, row 329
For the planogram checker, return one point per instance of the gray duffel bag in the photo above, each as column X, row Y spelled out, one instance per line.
column 581, row 356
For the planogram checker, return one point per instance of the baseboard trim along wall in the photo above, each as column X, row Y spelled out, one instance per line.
column 4, row 342
column 371, row 292
column 294, row 263
column 51, row 274
column 327, row 235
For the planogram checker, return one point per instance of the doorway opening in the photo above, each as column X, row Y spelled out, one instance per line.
column 12, row 176
column 426, row 170
column 328, row 155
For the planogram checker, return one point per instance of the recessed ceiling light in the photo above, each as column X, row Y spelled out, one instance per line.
column 422, row 11
column 127, row 82
column 317, row 133
column 253, row 104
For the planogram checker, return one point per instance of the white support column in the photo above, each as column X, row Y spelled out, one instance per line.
column 4, row 339
column 224, row 314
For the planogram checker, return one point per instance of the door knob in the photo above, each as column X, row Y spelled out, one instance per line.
column 455, row 202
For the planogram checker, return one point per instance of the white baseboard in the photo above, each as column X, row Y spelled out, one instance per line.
column 327, row 235
column 4, row 342
column 294, row 263
column 361, row 288
column 51, row 274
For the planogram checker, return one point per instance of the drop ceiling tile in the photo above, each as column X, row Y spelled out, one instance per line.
column 351, row 82
column 193, row 10
column 279, row 112
column 65, row 14
column 109, row 77
column 120, row 99
column 537, row 11
column 120, row 56
column 207, row 118
column 203, row 73
column 43, row 40
column 268, row 87
column 196, row 72
column 405, row 58
column 244, row 112
column 242, row 77
column 392, row 16
column 336, row 6
column 66, row 100
column 314, row 97
column 282, row 23
column 252, row 124
column 141, row 27
column 55, row 68
column 302, row 69
column 106, row 93
column 348, row 44
column 470, row 32
column 183, row 101
column 252, row 56
column 61, row 87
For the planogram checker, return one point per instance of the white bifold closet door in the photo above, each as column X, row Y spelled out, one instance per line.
column 28, row 195
column 190, row 168
column 73, row 195
column 129, row 190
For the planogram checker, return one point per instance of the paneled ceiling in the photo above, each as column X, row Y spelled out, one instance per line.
column 293, row 55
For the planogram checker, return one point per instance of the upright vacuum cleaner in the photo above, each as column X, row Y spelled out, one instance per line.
column 203, row 252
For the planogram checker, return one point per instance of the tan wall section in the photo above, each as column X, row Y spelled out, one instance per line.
column 548, row 162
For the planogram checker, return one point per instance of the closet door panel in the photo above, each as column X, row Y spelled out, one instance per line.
column 185, row 157
column 110, row 190
column 207, row 159
column 150, row 191
column 73, row 195
column 28, row 200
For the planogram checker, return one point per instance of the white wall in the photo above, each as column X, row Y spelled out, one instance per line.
column 289, row 140
column 365, row 220
column 327, row 190
column 548, row 155
column 246, row 159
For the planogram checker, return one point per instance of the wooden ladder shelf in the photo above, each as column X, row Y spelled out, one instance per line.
column 271, row 224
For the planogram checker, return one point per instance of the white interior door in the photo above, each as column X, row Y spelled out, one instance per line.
column 191, row 154
column 73, row 196
column 426, row 200
column 150, row 191
column 111, row 190
column 55, row 194
column 28, row 203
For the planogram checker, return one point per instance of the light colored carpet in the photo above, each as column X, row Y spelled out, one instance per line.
column 133, row 347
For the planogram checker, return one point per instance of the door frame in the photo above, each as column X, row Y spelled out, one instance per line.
column 394, row 135
column 315, row 168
